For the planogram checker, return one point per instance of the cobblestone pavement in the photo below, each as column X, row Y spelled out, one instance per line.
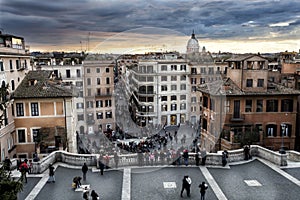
column 256, row 179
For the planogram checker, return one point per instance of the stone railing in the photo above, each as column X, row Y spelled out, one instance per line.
column 272, row 156
column 133, row 159
column 293, row 156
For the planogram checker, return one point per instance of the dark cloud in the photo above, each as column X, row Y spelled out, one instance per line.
column 62, row 21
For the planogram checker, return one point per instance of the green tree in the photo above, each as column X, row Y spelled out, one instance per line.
column 9, row 188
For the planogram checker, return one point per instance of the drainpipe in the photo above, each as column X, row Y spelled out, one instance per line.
column 66, row 130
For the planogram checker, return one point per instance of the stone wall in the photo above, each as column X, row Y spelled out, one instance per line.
column 132, row 159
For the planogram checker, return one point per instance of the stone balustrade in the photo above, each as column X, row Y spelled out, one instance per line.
column 293, row 156
column 132, row 159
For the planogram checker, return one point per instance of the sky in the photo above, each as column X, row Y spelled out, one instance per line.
column 132, row 26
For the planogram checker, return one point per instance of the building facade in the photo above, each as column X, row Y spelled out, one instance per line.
column 99, row 102
column 246, row 108
column 43, row 111
column 14, row 64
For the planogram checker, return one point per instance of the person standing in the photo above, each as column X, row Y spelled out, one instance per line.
column 51, row 178
column 203, row 187
column 94, row 195
column 86, row 193
column 84, row 170
column 186, row 157
column 7, row 164
column 203, row 156
column 186, row 185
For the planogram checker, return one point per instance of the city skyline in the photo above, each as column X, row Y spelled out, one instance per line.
column 138, row 27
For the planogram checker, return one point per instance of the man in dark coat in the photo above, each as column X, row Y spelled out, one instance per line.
column 84, row 170
column 186, row 185
column 203, row 187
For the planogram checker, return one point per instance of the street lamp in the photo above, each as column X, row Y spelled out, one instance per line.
column 281, row 150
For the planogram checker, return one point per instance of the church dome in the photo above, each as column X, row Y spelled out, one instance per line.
column 192, row 45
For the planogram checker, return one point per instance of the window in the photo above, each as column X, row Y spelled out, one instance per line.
column 108, row 115
column 79, row 84
column 203, row 70
column 11, row 67
column 210, row 70
column 173, row 67
column 20, row 109
column 107, row 80
column 173, row 98
column 249, row 83
column 18, row 64
column 227, row 106
column 88, row 80
column 12, row 85
column 108, row 91
column 80, row 117
column 173, row 87
column 271, row 130
column 286, row 130
column 183, row 77
column 183, row 67
column 79, row 105
column 107, row 103
column 89, row 92
column 194, row 80
column 78, row 73
column 182, row 87
column 173, row 78
column 1, row 66
column 107, row 70
column 89, row 104
column 35, row 134
column 193, row 70
column 173, row 107
column 287, row 105
column 164, row 108
column 164, row 68
column 193, row 99
column 99, row 104
column 205, row 102
column 21, row 136
column 164, row 98
column 98, row 70
column 99, row 115
column 68, row 73
column 182, row 97
column 80, row 94
column 259, row 105
column 260, row 83
column 34, row 109
column 272, row 105
column 88, row 70
column 182, row 106
column 164, row 88
column 164, row 78
column 202, row 80
column 248, row 107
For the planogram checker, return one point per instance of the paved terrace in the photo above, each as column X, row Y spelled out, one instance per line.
column 263, row 177
column 253, row 179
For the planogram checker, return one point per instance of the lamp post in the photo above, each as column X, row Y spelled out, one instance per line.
column 281, row 150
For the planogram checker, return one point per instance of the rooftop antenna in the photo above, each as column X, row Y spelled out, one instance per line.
column 88, row 42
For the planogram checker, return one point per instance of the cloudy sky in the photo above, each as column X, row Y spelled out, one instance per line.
column 125, row 26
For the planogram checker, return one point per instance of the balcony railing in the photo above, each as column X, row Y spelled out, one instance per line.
column 237, row 117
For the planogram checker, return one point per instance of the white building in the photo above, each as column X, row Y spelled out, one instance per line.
column 14, row 64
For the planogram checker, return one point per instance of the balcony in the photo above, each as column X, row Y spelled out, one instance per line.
column 103, row 94
column 237, row 118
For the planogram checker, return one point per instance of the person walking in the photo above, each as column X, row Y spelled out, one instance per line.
column 94, row 195
column 203, row 156
column 86, row 193
column 24, row 169
column 186, row 185
column 116, row 159
column 51, row 178
column 203, row 187
column 186, row 157
column 84, row 170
